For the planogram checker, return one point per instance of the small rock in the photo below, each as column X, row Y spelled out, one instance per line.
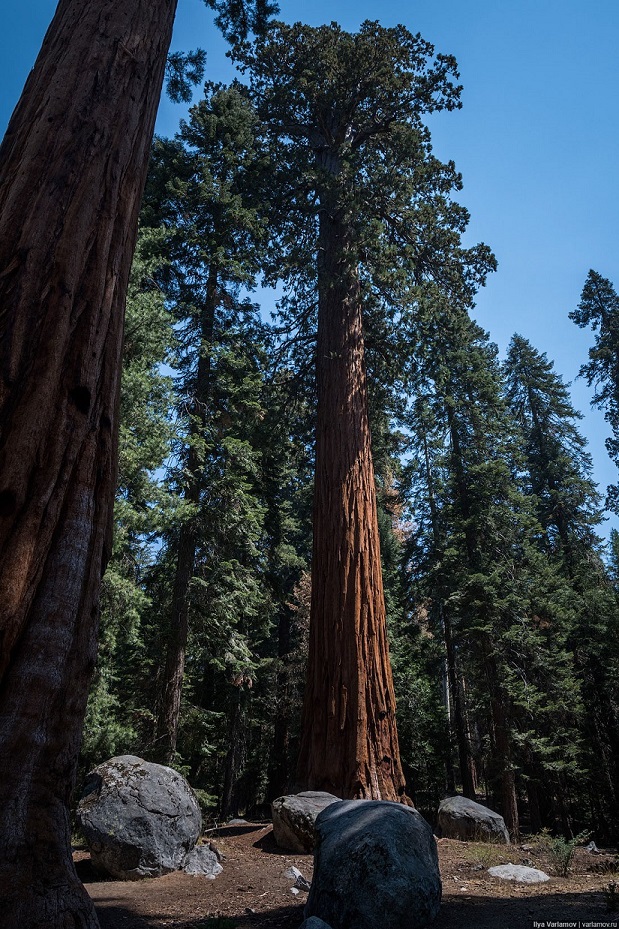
column 313, row 922
column 295, row 891
column 592, row 848
column 203, row 861
column 294, row 816
column 237, row 822
column 302, row 883
column 463, row 819
column 514, row 872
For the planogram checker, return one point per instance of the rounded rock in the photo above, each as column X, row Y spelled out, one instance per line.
column 375, row 864
column 294, row 816
column 139, row 819
column 463, row 819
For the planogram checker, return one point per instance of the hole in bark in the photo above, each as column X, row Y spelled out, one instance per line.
column 386, row 759
column 383, row 714
column 8, row 502
column 106, row 422
column 80, row 397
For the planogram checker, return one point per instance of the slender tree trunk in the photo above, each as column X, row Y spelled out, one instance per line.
column 465, row 756
column 170, row 707
column 72, row 170
column 503, row 746
column 349, row 744
column 234, row 757
column 278, row 769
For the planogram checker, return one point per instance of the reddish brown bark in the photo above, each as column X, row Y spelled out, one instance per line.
column 349, row 744
column 73, row 165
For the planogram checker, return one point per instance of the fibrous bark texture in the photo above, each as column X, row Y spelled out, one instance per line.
column 349, row 744
column 72, row 170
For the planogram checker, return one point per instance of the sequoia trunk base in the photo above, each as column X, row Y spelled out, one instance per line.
column 72, row 170
column 349, row 744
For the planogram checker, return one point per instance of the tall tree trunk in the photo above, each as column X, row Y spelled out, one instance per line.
column 234, row 757
column 465, row 756
column 501, row 720
column 278, row 767
column 349, row 743
column 178, row 630
column 72, row 170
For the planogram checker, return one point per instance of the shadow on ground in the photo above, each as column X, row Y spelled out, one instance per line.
column 521, row 912
column 469, row 913
column 113, row 916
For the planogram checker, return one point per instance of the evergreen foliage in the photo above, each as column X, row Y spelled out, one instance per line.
column 119, row 714
column 501, row 609
column 558, row 476
column 599, row 310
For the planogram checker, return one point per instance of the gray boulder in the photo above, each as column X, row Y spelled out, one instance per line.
column 516, row 872
column 459, row 818
column 294, row 816
column 375, row 864
column 139, row 819
column 314, row 923
column 203, row 861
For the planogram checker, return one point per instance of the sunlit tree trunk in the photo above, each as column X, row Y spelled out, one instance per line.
column 72, row 170
column 349, row 743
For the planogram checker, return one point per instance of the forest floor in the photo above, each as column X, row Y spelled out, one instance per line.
column 253, row 892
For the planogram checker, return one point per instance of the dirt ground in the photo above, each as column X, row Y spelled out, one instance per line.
column 252, row 892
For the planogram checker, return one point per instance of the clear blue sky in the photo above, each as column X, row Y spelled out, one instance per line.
column 536, row 142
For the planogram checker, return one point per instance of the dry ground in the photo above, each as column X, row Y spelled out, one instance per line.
column 253, row 893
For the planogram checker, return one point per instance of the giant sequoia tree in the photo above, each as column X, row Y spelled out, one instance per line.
column 73, row 164
column 364, row 202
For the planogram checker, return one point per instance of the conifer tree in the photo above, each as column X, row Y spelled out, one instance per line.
column 480, row 566
column 79, row 137
column 118, row 718
column 73, row 164
column 362, row 204
column 599, row 309
column 198, row 192
column 558, row 470
column 557, row 463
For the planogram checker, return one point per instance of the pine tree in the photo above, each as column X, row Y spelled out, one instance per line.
column 477, row 563
column 199, row 189
column 344, row 117
column 599, row 309
column 118, row 714
column 557, row 463
column 558, row 470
